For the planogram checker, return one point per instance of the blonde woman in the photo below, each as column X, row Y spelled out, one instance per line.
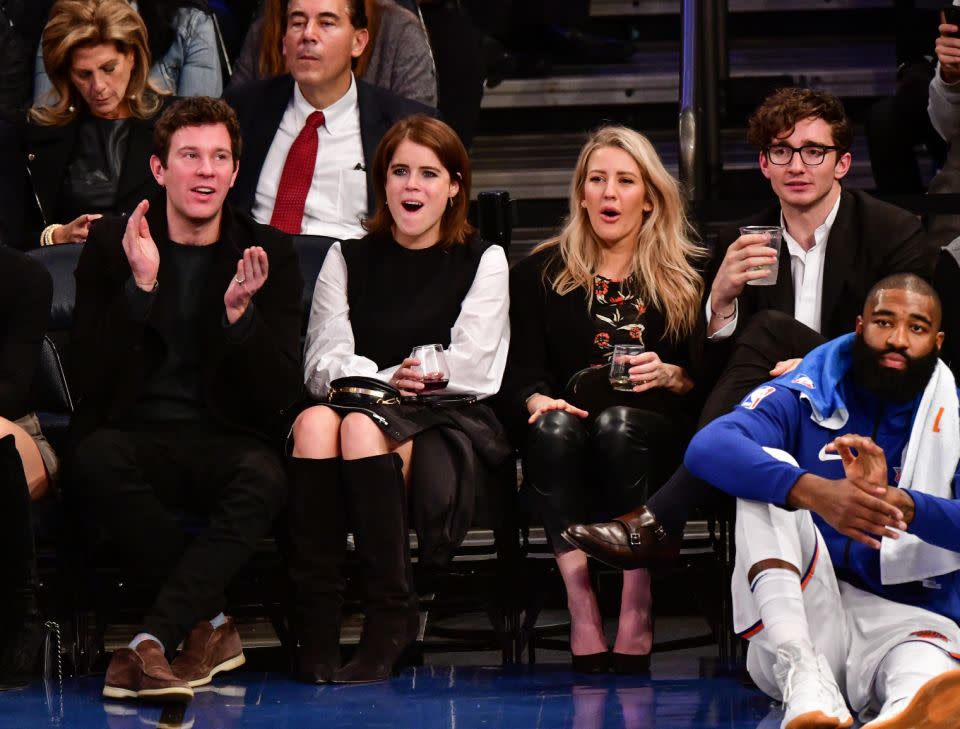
column 86, row 152
column 622, row 271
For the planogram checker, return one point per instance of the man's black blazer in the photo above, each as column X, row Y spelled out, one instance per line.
column 869, row 239
column 260, row 105
column 248, row 382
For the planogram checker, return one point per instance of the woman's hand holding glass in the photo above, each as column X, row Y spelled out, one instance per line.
column 407, row 378
column 648, row 371
column 538, row 404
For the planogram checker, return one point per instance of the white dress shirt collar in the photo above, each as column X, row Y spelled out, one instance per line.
column 335, row 116
column 820, row 235
column 806, row 270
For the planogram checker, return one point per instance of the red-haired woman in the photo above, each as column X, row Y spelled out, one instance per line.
column 420, row 276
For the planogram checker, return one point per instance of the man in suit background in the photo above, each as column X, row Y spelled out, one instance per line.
column 836, row 245
column 311, row 134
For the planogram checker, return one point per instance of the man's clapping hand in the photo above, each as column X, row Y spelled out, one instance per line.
column 251, row 274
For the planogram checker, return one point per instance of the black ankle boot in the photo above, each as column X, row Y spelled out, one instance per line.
column 21, row 631
column 318, row 544
column 377, row 511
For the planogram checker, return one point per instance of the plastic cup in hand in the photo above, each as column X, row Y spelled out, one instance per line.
column 433, row 366
column 774, row 236
column 620, row 365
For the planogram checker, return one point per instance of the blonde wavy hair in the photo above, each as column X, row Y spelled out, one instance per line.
column 666, row 249
column 83, row 23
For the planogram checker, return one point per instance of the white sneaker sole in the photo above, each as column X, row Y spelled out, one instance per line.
column 935, row 706
column 228, row 665
column 173, row 695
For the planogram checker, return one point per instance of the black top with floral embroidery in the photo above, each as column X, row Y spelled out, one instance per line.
column 552, row 337
column 619, row 316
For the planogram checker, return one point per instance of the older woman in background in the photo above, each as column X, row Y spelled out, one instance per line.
column 183, row 44
column 86, row 152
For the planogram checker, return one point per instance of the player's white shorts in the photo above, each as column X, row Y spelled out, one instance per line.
column 853, row 629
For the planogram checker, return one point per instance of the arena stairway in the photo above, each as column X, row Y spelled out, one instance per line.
column 531, row 128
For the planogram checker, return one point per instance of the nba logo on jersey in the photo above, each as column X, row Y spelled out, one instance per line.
column 755, row 397
column 803, row 381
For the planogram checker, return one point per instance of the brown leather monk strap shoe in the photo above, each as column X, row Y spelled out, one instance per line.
column 207, row 652
column 144, row 674
column 628, row 542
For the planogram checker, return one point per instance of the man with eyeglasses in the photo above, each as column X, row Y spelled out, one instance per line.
column 836, row 245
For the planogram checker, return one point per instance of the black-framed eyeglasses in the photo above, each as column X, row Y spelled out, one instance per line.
column 810, row 154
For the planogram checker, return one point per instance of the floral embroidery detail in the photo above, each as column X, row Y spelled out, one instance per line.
column 618, row 316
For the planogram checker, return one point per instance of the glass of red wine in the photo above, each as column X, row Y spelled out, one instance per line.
column 433, row 367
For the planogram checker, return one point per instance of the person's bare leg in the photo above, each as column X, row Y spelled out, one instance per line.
column 33, row 468
column 635, row 627
column 586, row 624
column 316, row 433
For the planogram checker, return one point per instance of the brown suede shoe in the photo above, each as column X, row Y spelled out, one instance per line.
column 628, row 542
column 207, row 652
column 144, row 674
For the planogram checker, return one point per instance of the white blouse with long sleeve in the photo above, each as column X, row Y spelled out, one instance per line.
column 479, row 339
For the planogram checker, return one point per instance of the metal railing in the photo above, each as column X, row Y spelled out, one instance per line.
column 704, row 69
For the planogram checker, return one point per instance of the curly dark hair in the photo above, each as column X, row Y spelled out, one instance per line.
column 779, row 113
column 195, row 111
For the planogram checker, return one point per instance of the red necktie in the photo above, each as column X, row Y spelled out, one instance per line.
column 296, row 178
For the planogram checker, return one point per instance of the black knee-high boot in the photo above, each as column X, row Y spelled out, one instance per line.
column 318, row 544
column 20, row 628
column 377, row 512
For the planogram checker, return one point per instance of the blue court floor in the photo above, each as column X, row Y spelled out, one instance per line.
column 684, row 693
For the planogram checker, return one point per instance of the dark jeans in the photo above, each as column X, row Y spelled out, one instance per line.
column 134, row 483
column 574, row 471
column 769, row 337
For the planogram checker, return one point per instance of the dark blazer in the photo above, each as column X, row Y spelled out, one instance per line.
column 260, row 105
column 36, row 186
column 248, row 382
column 869, row 239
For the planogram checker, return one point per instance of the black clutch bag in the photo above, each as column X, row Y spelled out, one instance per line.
column 365, row 391
column 362, row 392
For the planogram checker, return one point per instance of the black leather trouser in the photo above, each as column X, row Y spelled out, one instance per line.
column 575, row 472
